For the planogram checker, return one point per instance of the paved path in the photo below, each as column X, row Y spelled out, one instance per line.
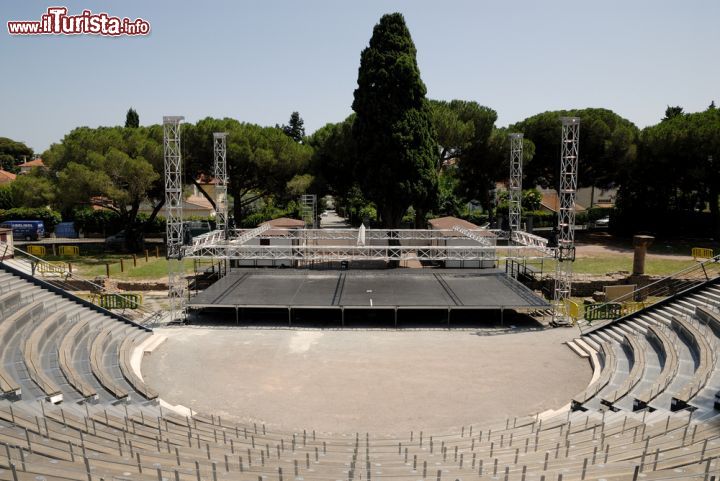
column 376, row 380
column 330, row 220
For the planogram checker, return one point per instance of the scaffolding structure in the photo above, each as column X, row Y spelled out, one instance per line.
column 570, row 149
column 328, row 245
column 515, row 183
column 174, row 215
column 308, row 210
column 221, row 180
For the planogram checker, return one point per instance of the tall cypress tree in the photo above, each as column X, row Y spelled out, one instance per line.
column 295, row 128
column 393, row 131
column 132, row 119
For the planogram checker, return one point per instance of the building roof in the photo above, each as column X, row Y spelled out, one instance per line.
column 199, row 201
column 6, row 176
column 447, row 223
column 205, row 179
column 551, row 202
column 285, row 223
column 280, row 224
column 33, row 163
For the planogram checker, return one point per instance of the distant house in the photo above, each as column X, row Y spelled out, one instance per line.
column 194, row 205
column 282, row 223
column 596, row 197
column 6, row 177
column 207, row 183
column 274, row 237
column 197, row 206
column 27, row 167
column 456, row 238
column 551, row 202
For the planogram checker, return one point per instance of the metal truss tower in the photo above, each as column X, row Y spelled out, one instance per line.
column 221, row 180
column 308, row 210
column 515, row 183
column 570, row 149
column 174, row 216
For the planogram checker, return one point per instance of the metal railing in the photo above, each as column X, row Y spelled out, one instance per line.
column 69, row 281
column 659, row 290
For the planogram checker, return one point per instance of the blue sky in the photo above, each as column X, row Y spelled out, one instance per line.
column 257, row 61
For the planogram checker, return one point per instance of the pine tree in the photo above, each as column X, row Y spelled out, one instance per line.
column 396, row 141
column 295, row 128
column 132, row 119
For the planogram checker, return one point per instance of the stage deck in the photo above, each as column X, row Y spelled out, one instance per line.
column 362, row 289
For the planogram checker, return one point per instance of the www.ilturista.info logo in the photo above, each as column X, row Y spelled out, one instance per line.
column 57, row 22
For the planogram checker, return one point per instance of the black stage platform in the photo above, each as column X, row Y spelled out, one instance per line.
column 393, row 289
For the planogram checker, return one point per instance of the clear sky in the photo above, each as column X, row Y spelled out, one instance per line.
column 259, row 60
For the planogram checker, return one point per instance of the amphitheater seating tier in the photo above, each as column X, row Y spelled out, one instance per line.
column 74, row 409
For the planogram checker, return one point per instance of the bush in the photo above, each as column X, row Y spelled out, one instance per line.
column 368, row 215
column 255, row 219
column 104, row 222
column 49, row 217
column 581, row 218
column 596, row 213
column 476, row 217
column 540, row 218
column 6, row 197
column 157, row 225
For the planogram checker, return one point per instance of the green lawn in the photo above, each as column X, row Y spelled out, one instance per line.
column 90, row 267
column 156, row 268
column 611, row 264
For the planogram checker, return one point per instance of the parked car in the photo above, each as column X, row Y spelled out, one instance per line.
column 116, row 240
column 602, row 223
column 25, row 229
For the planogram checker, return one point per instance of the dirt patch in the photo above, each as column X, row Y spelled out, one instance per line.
column 366, row 380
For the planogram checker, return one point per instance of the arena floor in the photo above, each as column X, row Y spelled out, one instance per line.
column 383, row 381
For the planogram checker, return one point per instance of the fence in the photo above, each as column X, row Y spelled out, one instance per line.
column 702, row 253
column 36, row 250
column 69, row 251
column 118, row 301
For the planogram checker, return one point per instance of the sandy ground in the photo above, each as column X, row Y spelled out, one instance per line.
column 383, row 381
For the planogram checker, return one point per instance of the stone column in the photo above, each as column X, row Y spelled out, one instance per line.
column 641, row 243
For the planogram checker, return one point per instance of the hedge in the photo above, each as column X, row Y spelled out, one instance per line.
column 49, row 217
column 97, row 221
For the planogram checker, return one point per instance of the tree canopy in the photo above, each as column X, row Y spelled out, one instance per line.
column 111, row 167
column 676, row 174
column 13, row 153
column 393, row 131
column 260, row 160
column 608, row 143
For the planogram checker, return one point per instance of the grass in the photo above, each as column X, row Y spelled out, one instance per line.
column 602, row 265
column 156, row 268
column 91, row 266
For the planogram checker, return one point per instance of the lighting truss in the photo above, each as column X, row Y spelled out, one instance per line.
column 174, row 215
column 570, row 150
column 515, row 182
column 221, row 180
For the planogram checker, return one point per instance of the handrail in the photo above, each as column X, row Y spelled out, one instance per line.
column 676, row 282
column 148, row 316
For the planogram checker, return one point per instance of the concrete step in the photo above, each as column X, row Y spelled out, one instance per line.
column 577, row 349
column 584, row 345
